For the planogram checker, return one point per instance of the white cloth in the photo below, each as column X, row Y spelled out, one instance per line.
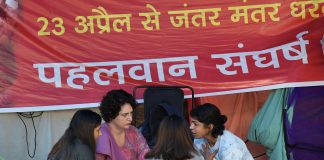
column 229, row 146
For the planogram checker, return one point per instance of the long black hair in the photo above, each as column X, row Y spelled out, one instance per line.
column 81, row 128
column 210, row 114
column 173, row 140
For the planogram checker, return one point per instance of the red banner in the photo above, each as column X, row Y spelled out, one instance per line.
column 69, row 53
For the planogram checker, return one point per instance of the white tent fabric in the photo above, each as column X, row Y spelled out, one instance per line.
column 50, row 126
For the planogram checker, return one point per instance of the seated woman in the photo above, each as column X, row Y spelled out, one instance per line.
column 210, row 135
column 173, row 141
column 119, row 140
column 79, row 139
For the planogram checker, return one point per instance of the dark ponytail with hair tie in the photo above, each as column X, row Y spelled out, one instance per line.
column 224, row 119
column 210, row 114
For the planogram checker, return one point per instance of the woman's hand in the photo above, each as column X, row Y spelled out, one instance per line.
column 206, row 153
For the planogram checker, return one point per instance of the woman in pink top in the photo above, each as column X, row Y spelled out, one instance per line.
column 119, row 140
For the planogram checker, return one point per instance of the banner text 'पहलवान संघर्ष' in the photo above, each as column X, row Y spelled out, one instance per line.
column 68, row 54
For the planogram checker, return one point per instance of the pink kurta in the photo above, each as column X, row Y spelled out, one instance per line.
column 135, row 145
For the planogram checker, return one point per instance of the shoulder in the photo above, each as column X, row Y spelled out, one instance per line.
column 132, row 130
column 83, row 151
column 104, row 133
column 80, row 145
column 104, row 126
column 198, row 143
column 231, row 138
column 232, row 147
column 199, row 140
column 133, row 133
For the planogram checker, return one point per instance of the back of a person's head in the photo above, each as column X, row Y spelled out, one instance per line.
column 210, row 114
column 83, row 124
column 81, row 127
column 157, row 114
column 111, row 103
column 173, row 140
